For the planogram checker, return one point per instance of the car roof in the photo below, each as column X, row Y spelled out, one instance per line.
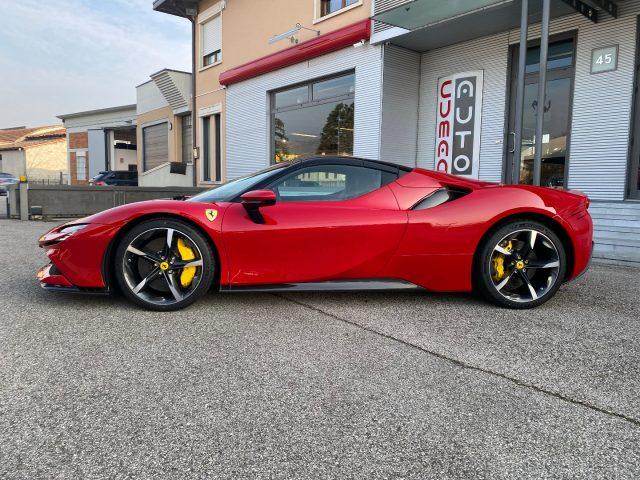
column 342, row 160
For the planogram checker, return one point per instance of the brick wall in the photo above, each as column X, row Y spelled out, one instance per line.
column 78, row 140
column 73, row 168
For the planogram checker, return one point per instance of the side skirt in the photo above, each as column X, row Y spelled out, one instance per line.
column 328, row 286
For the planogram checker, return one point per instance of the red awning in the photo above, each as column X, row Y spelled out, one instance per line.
column 329, row 42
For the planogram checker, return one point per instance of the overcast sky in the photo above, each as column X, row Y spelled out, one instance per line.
column 64, row 56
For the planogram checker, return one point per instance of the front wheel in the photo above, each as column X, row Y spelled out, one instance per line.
column 521, row 265
column 164, row 264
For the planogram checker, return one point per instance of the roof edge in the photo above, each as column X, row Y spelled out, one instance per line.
column 99, row 110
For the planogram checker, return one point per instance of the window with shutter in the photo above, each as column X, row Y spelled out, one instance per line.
column 155, row 146
column 211, row 32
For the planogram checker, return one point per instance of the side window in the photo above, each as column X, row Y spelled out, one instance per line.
column 329, row 182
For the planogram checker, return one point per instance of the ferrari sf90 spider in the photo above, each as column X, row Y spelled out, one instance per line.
column 329, row 223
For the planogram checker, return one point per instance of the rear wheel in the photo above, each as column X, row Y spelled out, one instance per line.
column 520, row 265
column 164, row 264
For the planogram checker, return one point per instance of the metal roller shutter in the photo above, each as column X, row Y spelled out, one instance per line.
column 155, row 145
column 212, row 35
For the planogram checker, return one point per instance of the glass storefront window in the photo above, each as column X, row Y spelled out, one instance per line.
column 560, row 56
column 334, row 87
column 295, row 96
column 320, row 125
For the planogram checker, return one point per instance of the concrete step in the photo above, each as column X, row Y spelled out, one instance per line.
column 616, row 261
column 625, row 204
column 623, row 253
column 604, row 229
column 615, row 223
column 616, row 216
column 614, row 236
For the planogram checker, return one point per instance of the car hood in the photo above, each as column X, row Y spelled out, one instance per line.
column 130, row 211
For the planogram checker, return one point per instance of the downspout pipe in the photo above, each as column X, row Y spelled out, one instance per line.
column 194, row 122
column 522, row 63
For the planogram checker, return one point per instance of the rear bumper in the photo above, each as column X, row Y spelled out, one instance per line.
column 581, row 235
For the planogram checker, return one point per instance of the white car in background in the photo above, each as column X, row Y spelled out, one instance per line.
column 5, row 180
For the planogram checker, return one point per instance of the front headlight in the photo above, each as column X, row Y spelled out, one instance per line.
column 71, row 229
column 66, row 231
column 59, row 234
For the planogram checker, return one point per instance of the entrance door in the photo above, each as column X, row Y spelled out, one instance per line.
column 634, row 165
column 557, row 115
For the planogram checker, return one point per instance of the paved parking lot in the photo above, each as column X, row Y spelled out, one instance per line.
column 370, row 385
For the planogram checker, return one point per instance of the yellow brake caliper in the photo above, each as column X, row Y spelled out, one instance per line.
column 186, row 254
column 498, row 263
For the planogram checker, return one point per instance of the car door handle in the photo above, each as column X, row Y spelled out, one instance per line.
column 513, row 147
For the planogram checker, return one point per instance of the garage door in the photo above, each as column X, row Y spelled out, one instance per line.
column 155, row 145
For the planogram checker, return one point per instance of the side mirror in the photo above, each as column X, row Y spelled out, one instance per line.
column 258, row 198
column 253, row 200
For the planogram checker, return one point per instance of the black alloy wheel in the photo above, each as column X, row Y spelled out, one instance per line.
column 521, row 265
column 164, row 264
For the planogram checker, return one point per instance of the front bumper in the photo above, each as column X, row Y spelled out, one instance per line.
column 53, row 280
column 76, row 261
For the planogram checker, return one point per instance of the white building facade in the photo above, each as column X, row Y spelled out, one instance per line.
column 403, row 83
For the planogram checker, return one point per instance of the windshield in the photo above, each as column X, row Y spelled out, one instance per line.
column 232, row 189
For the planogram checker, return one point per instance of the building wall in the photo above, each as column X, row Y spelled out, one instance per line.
column 122, row 158
column 78, row 142
column 152, row 108
column 13, row 162
column 601, row 107
column 246, row 31
column 248, row 129
column 47, row 161
column 78, row 125
column 153, row 117
column 161, row 176
column 400, row 99
column 74, row 158
column 489, row 54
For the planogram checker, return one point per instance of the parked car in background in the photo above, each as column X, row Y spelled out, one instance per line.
column 123, row 178
column 5, row 180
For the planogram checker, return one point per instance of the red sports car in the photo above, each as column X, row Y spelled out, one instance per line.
column 329, row 224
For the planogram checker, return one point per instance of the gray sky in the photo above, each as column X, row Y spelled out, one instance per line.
column 64, row 56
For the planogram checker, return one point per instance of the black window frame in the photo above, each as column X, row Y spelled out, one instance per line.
column 207, row 160
column 309, row 103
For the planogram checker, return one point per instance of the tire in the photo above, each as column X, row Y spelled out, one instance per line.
column 150, row 264
column 533, row 265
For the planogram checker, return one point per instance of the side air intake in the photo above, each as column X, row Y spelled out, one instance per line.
column 439, row 197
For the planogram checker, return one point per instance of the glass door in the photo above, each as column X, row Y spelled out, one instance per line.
column 556, row 111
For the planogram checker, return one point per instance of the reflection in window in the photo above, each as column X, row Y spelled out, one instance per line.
column 295, row 96
column 555, row 128
column 320, row 124
column 334, row 87
column 330, row 182
column 560, row 56
column 328, row 7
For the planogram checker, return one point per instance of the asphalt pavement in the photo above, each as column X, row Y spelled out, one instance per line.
column 351, row 385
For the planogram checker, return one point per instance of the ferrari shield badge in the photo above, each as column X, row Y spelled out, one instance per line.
column 211, row 214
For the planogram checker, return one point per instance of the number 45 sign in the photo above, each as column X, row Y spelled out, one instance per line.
column 604, row 59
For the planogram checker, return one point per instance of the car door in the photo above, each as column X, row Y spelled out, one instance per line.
column 330, row 222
